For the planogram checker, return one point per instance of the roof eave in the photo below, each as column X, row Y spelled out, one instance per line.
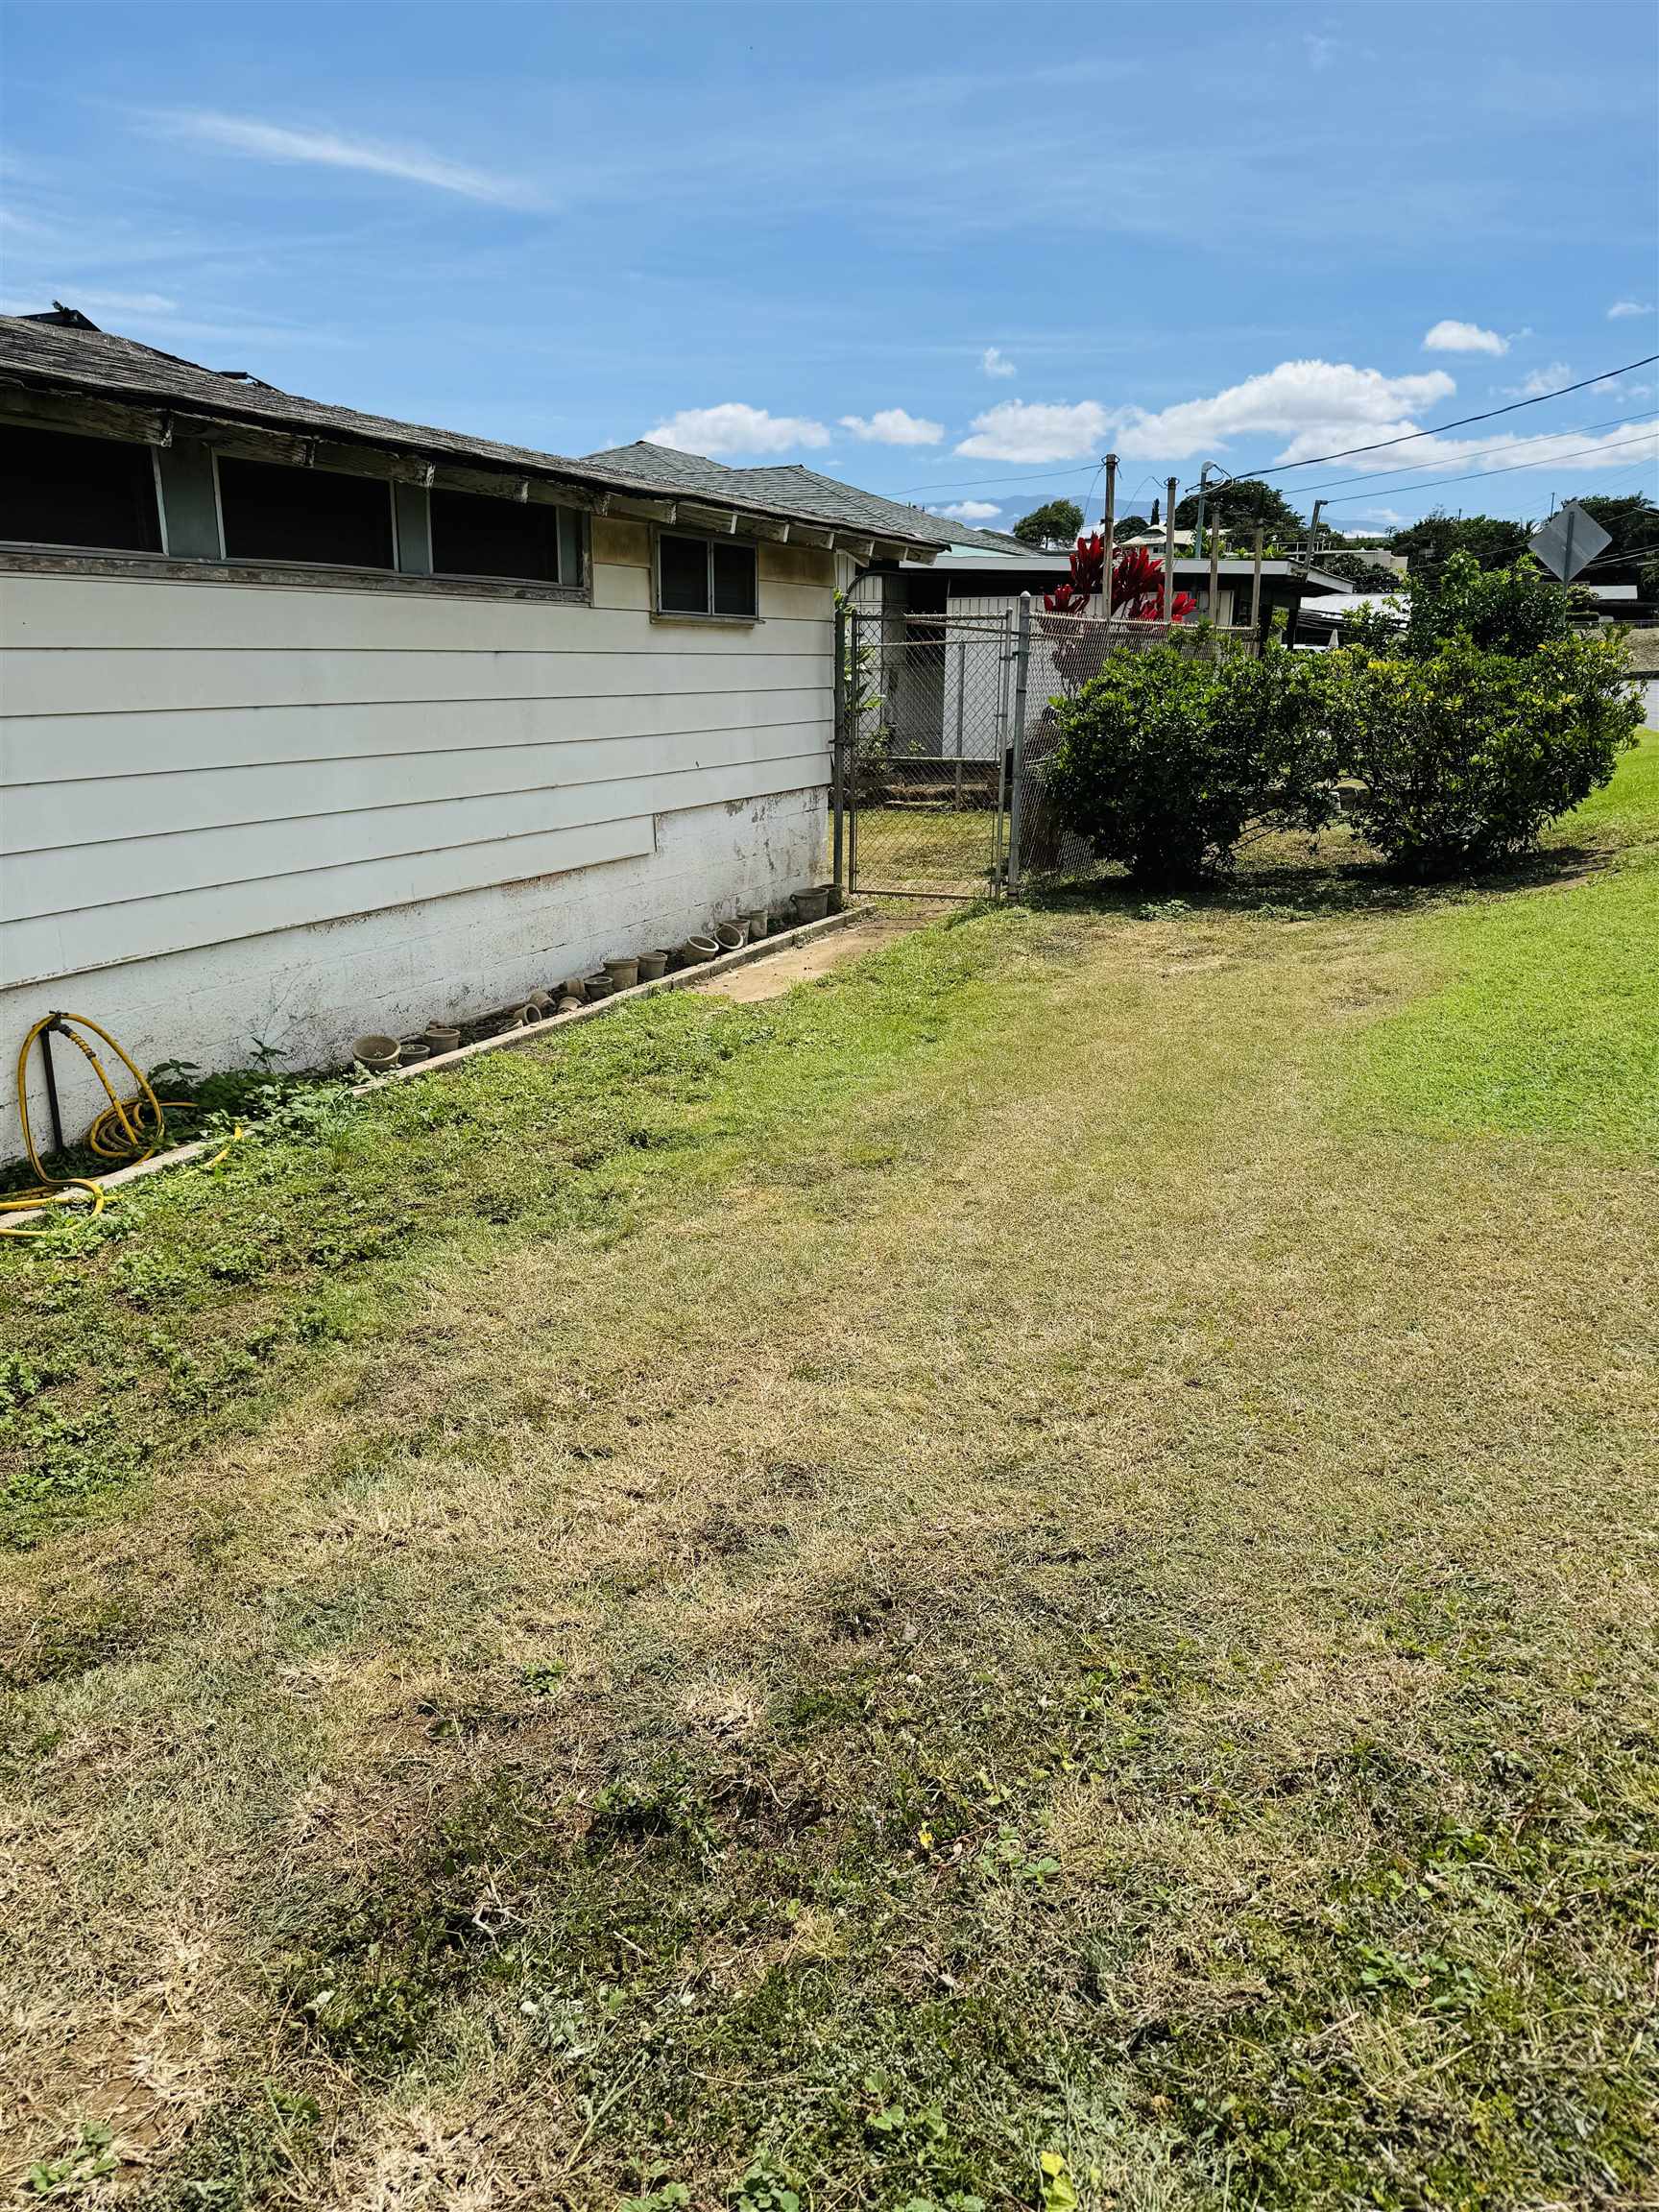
column 423, row 460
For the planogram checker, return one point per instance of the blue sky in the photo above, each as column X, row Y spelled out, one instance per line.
column 952, row 253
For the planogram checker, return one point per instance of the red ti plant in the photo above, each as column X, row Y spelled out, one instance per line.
column 1137, row 597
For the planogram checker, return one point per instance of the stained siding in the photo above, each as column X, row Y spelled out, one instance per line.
column 182, row 764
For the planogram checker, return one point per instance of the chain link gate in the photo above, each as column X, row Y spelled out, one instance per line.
column 925, row 720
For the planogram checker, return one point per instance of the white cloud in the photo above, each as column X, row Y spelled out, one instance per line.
column 1018, row 431
column 1464, row 338
column 1623, row 310
column 1321, row 50
column 892, row 426
column 1314, row 407
column 1537, row 381
column 995, row 363
column 732, row 427
column 970, row 511
column 329, row 149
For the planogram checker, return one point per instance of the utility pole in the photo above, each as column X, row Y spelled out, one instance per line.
column 1169, row 490
column 1110, row 533
column 1198, row 525
column 1319, row 506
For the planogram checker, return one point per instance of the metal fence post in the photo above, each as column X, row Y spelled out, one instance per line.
column 961, row 703
column 838, row 750
column 1021, row 672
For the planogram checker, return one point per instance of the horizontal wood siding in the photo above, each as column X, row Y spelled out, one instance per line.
column 181, row 766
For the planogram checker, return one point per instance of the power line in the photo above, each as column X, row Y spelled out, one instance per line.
column 1477, row 475
column 1380, row 481
column 1318, row 460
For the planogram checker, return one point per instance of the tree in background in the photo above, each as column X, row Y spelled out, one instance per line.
column 1238, row 504
column 1631, row 520
column 1360, row 570
column 1056, row 524
column 1493, row 539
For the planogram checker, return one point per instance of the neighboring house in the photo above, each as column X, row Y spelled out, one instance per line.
column 316, row 723
column 1643, row 646
column 919, row 686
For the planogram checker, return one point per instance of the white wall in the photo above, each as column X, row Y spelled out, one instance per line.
column 231, row 811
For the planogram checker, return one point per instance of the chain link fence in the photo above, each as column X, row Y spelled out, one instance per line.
column 947, row 722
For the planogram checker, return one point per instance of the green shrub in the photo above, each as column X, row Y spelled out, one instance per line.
column 1164, row 760
column 1464, row 755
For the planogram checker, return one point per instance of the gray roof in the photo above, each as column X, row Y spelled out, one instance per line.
column 1022, row 566
column 53, row 356
column 803, row 491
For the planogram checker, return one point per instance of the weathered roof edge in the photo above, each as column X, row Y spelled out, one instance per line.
column 52, row 358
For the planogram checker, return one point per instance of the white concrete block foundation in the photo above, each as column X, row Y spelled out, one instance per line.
column 307, row 991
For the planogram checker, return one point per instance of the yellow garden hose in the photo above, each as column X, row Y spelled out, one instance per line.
column 127, row 1131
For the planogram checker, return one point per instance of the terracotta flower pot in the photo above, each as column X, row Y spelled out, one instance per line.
column 377, row 1053
column 731, row 936
column 598, row 985
column 443, row 1037
column 757, row 922
column 697, row 950
column 652, row 965
column 623, row 974
column 811, row 905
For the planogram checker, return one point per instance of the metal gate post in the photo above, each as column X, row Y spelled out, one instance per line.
column 1021, row 670
column 837, row 749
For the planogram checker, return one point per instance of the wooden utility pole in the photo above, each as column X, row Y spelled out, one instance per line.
column 1169, row 489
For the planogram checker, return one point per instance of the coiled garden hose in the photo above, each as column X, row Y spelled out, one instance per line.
column 127, row 1130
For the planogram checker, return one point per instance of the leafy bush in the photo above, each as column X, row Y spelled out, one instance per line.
column 1464, row 754
column 1164, row 760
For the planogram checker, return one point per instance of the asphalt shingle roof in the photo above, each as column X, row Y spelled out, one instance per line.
column 51, row 356
column 825, row 499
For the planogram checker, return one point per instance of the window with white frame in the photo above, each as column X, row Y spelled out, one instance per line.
column 714, row 577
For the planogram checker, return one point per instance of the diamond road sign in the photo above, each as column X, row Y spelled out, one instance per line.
column 1568, row 540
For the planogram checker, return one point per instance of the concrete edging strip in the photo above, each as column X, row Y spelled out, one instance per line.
column 182, row 1154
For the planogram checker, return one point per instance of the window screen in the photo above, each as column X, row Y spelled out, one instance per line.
column 475, row 536
column 59, row 489
column 272, row 513
column 735, row 580
column 703, row 576
column 684, row 575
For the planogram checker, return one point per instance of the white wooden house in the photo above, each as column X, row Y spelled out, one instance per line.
column 313, row 723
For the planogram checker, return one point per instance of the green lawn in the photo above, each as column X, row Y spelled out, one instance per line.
column 1030, row 1574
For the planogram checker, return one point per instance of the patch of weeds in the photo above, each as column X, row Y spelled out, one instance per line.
column 765, row 2186
column 237, row 2155
column 664, row 1807
column 1008, row 1858
column 89, row 2160
column 149, row 1278
column 657, row 2193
